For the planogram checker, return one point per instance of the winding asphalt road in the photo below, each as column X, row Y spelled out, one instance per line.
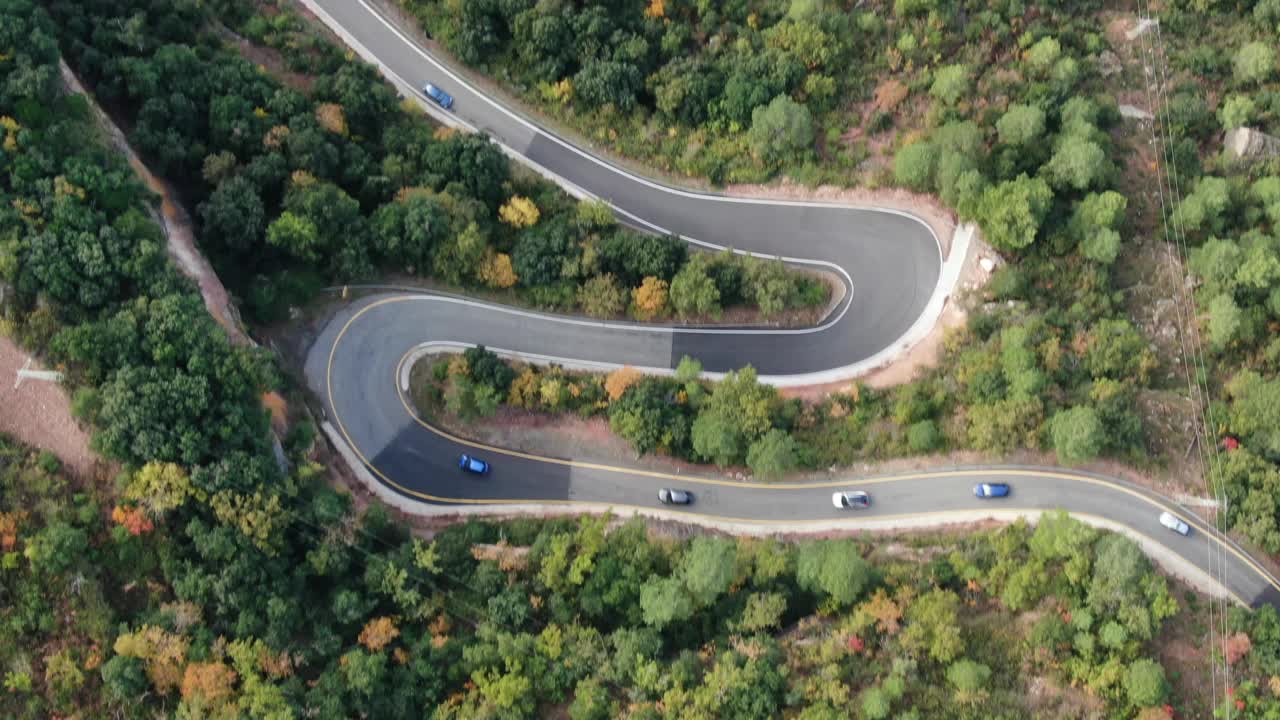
column 890, row 261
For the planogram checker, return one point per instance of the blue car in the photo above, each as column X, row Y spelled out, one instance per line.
column 442, row 98
column 990, row 490
column 473, row 465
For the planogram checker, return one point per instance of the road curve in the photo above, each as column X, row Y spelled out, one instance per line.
column 357, row 362
column 890, row 261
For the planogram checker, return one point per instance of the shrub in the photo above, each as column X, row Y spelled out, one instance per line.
column 602, row 297
column 649, row 301
column 1078, row 435
column 519, row 212
column 923, row 437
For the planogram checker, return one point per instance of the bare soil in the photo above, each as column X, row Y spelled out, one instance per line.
column 38, row 413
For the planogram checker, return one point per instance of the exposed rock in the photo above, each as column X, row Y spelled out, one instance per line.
column 1133, row 112
column 1144, row 26
column 987, row 264
column 1109, row 64
column 1246, row 142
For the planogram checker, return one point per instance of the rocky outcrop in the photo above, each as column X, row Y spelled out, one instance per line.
column 1248, row 143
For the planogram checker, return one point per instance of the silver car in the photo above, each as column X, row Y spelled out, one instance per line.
column 667, row 496
column 856, row 499
column 1174, row 523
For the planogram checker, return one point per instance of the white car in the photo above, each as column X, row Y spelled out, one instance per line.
column 856, row 499
column 1174, row 523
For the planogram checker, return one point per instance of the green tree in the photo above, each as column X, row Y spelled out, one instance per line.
column 876, row 704
column 460, row 257
column 1078, row 163
column 1078, row 435
column 924, row 436
column 1021, row 125
column 1145, row 684
column 296, row 235
column 933, row 626
column 1254, row 63
column 540, row 254
column 1236, row 111
column 590, row 701
column 762, row 613
column 1042, row 56
column 605, row 82
column 56, row 548
column 1058, row 536
column 234, row 216
column 594, row 214
column 1255, row 410
column 739, row 411
column 1225, row 321
column 835, row 568
column 1124, row 587
column 773, row 455
column 914, row 165
column 467, row 399
column 781, row 130
column 124, row 679
column 951, row 83
column 693, row 292
column 1010, row 213
column 969, row 679
column 632, row 256
column 707, row 568
column 406, row 232
column 663, row 601
column 645, row 417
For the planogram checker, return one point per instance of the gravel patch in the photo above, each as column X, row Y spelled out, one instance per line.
column 38, row 413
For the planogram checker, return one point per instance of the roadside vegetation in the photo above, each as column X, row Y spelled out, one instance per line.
column 209, row 580
column 1229, row 218
column 332, row 180
column 125, row 603
column 738, row 420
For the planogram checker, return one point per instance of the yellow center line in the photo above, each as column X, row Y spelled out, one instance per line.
column 1196, row 522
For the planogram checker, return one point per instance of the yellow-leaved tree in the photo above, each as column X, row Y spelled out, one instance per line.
column 496, row 271
column 378, row 633
column 331, row 118
column 650, row 299
column 619, row 380
column 519, row 212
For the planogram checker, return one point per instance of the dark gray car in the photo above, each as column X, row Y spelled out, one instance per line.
column 674, row 497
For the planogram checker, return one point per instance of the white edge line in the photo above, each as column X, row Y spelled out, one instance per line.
column 923, row 323
column 1162, row 555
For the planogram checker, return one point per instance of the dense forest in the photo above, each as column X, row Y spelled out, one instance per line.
column 342, row 184
column 209, row 580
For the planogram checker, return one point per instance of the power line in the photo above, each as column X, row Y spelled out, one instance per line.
column 1195, row 372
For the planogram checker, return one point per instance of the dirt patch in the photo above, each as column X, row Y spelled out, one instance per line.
column 1182, row 648
column 38, row 413
column 269, row 58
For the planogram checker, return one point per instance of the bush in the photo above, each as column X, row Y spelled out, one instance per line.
column 781, row 130
column 1077, row 435
column 1254, row 63
column 602, row 297
column 924, row 436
